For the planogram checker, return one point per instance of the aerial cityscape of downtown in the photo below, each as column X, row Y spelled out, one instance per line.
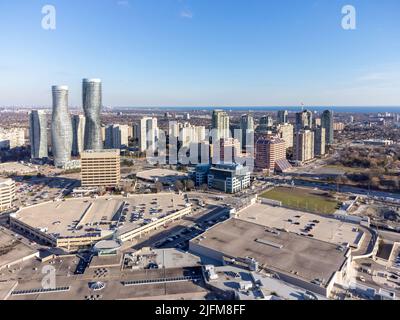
column 212, row 152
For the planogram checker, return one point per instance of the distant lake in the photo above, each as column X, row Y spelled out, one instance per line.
column 358, row 109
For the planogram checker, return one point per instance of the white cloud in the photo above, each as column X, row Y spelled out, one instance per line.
column 186, row 13
column 123, row 3
column 375, row 76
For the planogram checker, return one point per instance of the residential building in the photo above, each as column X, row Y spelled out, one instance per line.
column 320, row 141
column 327, row 123
column 11, row 138
column 247, row 128
column 220, row 125
column 38, row 134
column 283, row 116
column 304, row 120
column 148, row 134
column 78, row 134
column 227, row 151
column 7, row 193
column 61, row 127
column 304, row 146
column 338, row 126
column 268, row 152
column 116, row 136
column 92, row 105
column 285, row 131
column 266, row 123
column 191, row 134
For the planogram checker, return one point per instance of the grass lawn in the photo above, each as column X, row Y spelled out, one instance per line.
column 303, row 199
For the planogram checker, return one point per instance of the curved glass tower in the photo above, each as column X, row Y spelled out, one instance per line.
column 92, row 104
column 61, row 127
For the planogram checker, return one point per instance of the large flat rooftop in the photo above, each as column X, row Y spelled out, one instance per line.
column 115, row 289
column 77, row 217
column 327, row 229
column 290, row 253
column 163, row 175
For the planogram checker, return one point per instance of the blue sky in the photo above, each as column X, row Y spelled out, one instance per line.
column 203, row 52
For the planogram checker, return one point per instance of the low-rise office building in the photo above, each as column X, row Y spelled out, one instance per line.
column 100, row 168
column 229, row 178
column 201, row 174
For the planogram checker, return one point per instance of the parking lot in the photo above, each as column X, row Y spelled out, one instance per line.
column 40, row 189
column 177, row 234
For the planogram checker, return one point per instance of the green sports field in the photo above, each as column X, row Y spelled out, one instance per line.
column 303, row 199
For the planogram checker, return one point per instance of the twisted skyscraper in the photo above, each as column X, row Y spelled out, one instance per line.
column 61, row 127
column 92, row 104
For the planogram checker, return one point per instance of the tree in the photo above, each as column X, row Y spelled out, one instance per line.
column 189, row 185
column 128, row 187
column 179, row 185
column 102, row 191
column 375, row 182
column 158, row 186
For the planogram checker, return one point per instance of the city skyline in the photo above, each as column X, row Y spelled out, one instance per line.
column 206, row 152
column 181, row 53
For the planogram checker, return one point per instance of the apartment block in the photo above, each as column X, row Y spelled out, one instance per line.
column 7, row 193
column 304, row 146
column 268, row 152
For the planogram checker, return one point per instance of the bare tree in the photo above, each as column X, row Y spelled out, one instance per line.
column 158, row 186
column 189, row 185
column 179, row 185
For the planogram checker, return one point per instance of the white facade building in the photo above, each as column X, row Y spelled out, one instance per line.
column 11, row 138
column 7, row 193
column 148, row 134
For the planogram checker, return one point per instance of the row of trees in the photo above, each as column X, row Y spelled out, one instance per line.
column 184, row 185
column 375, row 158
column 372, row 180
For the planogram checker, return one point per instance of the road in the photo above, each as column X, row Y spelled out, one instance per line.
column 174, row 231
column 334, row 187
